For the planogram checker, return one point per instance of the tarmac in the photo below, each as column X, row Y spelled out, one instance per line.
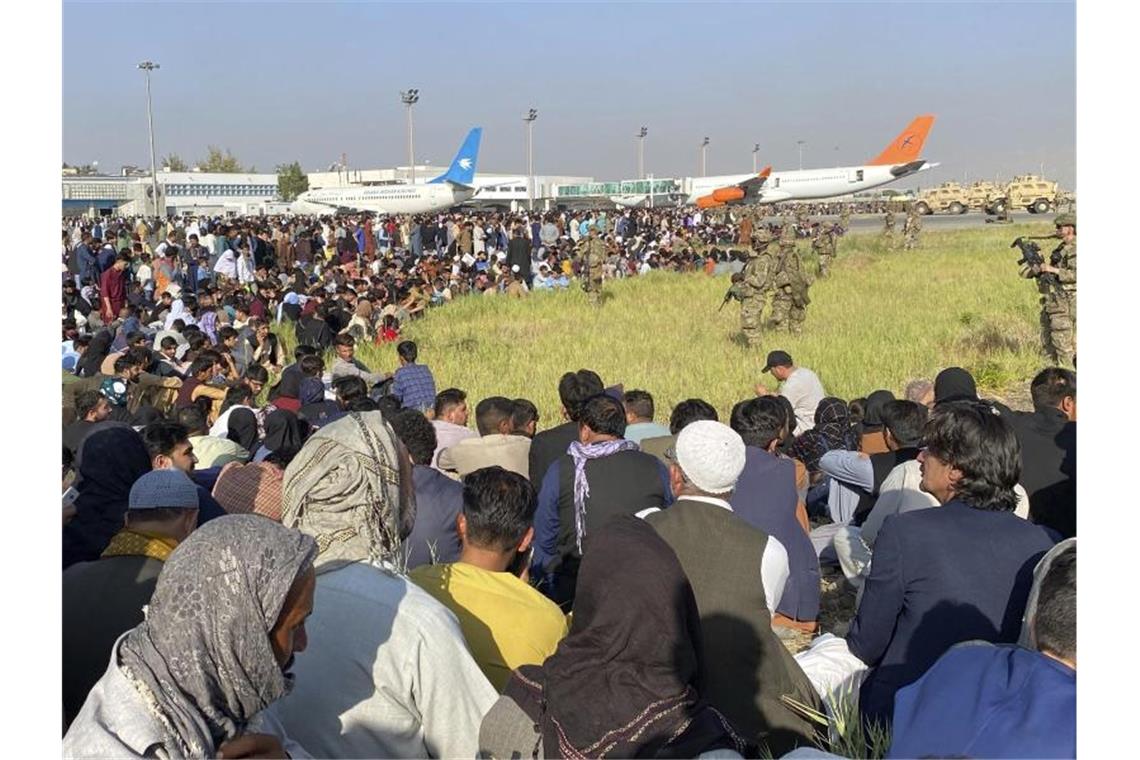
column 970, row 220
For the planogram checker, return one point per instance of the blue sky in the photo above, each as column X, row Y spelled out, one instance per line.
column 277, row 82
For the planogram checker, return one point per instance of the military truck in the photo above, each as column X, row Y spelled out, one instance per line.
column 981, row 194
column 949, row 197
column 1030, row 192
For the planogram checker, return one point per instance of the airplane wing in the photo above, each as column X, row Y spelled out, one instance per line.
column 750, row 190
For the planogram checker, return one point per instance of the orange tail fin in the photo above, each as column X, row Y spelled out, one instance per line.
column 908, row 145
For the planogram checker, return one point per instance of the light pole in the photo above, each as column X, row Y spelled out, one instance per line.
column 149, row 66
column 755, row 150
column 704, row 154
column 409, row 98
column 800, row 145
column 641, row 152
column 529, row 118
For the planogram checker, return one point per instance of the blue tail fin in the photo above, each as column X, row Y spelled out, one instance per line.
column 462, row 169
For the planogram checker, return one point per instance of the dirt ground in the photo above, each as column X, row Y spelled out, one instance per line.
column 836, row 608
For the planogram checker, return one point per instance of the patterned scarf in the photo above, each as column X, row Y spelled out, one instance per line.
column 130, row 543
column 581, row 453
column 351, row 490
column 202, row 659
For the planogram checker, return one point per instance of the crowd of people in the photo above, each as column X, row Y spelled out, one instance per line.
column 367, row 571
column 269, row 553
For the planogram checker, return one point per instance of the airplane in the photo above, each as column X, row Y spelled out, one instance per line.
column 899, row 159
column 453, row 187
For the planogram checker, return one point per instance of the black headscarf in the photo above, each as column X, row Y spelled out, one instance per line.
column 110, row 461
column 873, row 410
column 242, row 428
column 97, row 350
column 833, row 431
column 953, row 384
column 626, row 680
column 285, row 434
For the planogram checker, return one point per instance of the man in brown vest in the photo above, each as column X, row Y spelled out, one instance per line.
column 738, row 574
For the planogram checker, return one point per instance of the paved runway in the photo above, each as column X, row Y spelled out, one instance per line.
column 874, row 222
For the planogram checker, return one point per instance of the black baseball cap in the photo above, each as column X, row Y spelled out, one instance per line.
column 777, row 359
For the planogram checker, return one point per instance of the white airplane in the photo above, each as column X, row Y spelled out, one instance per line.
column 453, row 187
column 899, row 159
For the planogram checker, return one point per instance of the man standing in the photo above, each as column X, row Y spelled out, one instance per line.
column 104, row 598
column 757, row 282
column 791, row 299
column 889, row 229
column 113, row 289
column 518, row 255
column 592, row 259
column 911, row 227
column 1057, row 284
column 821, row 247
column 800, row 386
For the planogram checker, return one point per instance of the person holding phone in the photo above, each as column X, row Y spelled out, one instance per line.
column 507, row 623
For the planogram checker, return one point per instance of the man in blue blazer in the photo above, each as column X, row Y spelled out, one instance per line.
column 958, row 572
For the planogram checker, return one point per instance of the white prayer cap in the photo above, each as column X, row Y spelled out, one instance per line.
column 711, row 454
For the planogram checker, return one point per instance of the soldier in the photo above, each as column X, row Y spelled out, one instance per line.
column 754, row 287
column 845, row 217
column 911, row 227
column 889, row 229
column 1057, row 284
column 593, row 257
column 790, row 301
column 823, row 245
column 787, row 237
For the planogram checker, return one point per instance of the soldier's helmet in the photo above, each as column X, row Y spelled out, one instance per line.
column 1065, row 220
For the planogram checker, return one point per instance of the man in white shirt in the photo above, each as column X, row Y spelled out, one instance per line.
column 705, row 465
column 799, row 385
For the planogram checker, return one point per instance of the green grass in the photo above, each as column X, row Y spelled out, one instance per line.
column 882, row 318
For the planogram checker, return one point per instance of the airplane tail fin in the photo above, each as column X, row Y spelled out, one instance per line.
column 462, row 169
column 908, row 145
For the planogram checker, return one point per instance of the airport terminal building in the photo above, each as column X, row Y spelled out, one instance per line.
column 253, row 194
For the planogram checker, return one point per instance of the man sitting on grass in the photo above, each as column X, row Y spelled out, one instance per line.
column 506, row 622
column 413, row 383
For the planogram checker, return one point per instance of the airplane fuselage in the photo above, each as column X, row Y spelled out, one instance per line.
column 806, row 184
column 387, row 199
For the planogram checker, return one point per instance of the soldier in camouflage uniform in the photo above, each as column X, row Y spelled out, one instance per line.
column 593, row 258
column 889, row 229
column 755, row 285
column 911, row 227
column 823, row 245
column 1059, row 294
column 845, row 217
column 790, row 301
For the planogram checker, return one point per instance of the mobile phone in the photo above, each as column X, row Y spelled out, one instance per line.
column 69, row 497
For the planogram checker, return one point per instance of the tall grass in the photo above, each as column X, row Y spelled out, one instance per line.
column 882, row 318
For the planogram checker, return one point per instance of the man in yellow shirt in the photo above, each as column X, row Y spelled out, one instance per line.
column 506, row 622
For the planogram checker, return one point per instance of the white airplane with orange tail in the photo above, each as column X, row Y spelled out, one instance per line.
column 900, row 159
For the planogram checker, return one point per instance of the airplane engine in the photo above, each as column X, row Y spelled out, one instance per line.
column 726, row 194
column 707, row 201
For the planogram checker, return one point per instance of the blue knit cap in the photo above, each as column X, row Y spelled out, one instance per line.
column 163, row 489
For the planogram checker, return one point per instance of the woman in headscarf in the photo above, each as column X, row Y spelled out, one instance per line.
column 832, row 431
column 242, row 428
column 360, row 326
column 626, row 681
column 255, row 487
column 285, row 434
column 111, row 459
column 193, row 679
column 871, row 428
column 97, row 350
column 387, row 659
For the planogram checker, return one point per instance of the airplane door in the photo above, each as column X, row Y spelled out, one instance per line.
column 854, row 175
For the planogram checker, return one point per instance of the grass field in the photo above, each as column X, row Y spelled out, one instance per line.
column 881, row 319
